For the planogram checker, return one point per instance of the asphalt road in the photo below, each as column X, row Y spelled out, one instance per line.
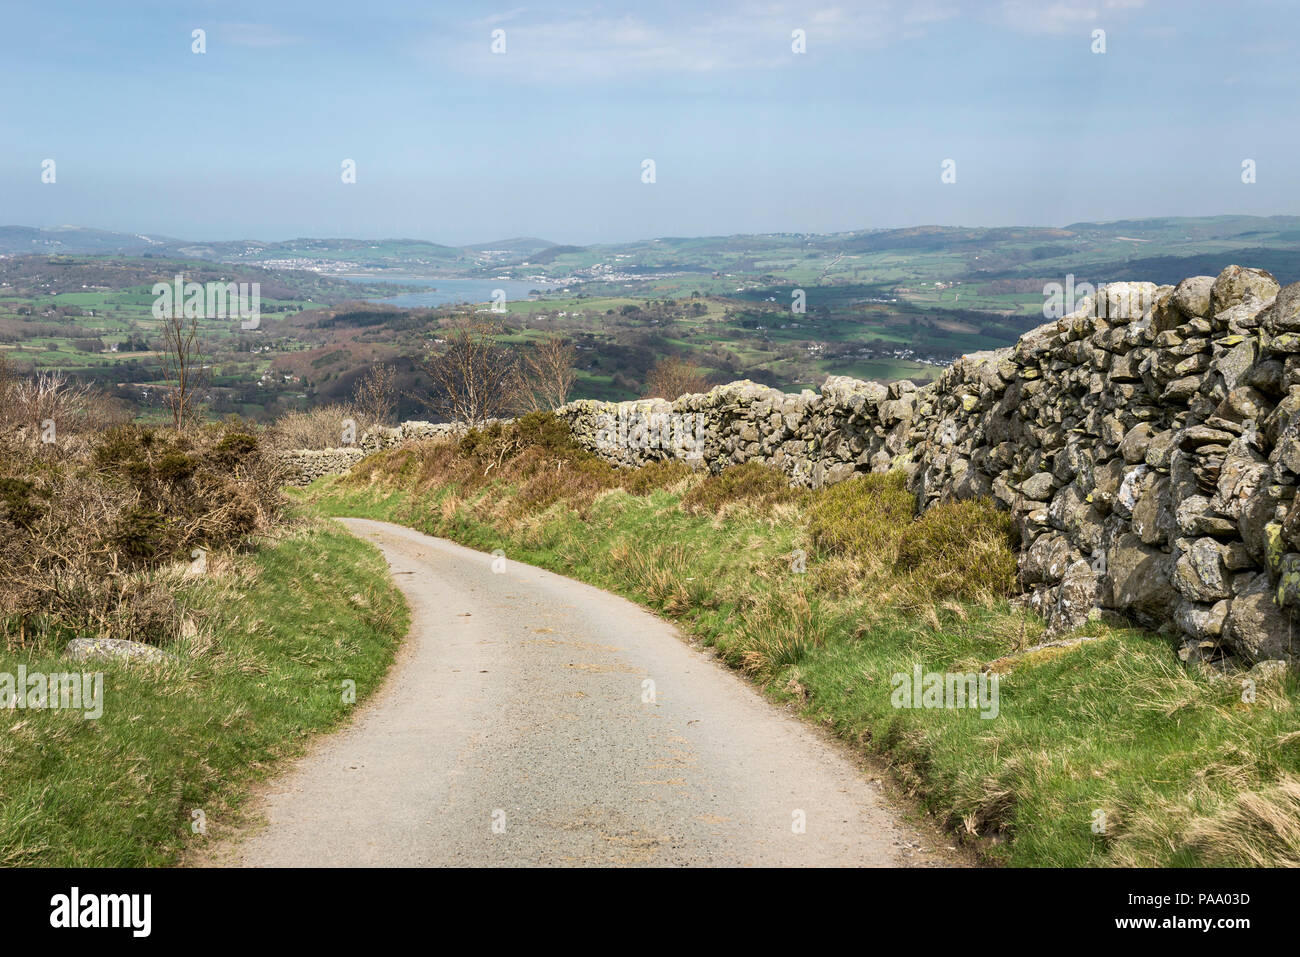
column 533, row 720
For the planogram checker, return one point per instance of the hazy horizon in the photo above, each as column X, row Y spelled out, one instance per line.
column 560, row 241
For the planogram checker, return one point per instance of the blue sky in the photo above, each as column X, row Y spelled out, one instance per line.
column 456, row 144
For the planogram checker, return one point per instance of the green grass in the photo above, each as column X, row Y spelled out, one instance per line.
column 1184, row 771
column 278, row 631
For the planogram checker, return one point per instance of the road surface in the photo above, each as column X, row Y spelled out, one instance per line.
column 530, row 719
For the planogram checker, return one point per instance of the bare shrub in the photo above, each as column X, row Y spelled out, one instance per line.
column 673, row 377
column 81, row 536
column 7, row 377
column 50, row 409
column 324, row 427
column 182, row 367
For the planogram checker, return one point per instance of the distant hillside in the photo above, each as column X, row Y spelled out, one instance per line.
column 413, row 256
column 74, row 240
column 1160, row 249
column 525, row 246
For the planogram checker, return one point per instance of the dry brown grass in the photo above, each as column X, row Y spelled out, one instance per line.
column 871, row 544
column 531, row 463
column 752, row 486
column 1257, row 828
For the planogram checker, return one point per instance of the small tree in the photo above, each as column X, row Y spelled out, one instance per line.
column 672, row 377
column 182, row 366
column 547, row 374
column 475, row 378
column 375, row 396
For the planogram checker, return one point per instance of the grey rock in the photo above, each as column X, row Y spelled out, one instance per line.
column 1038, row 487
column 1192, row 296
column 1201, row 621
column 116, row 649
column 1256, row 628
column 1284, row 315
column 1075, row 599
column 1236, row 282
column 1200, row 574
column 1139, row 580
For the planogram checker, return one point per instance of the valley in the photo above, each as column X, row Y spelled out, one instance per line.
column 783, row 309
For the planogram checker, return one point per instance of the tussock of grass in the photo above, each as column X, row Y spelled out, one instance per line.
column 1260, row 829
column 960, row 549
column 1181, row 770
column 956, row 549
column 655, row 476
column 862, row 517
column 780, row 632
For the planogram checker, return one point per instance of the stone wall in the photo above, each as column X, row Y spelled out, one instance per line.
column 375, row 439
column 814, row 437
column 304, row 466
column 1148, row 445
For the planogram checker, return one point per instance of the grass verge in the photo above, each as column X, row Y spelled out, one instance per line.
column 276, row 633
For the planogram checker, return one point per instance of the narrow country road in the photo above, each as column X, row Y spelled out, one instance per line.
column 519, row 726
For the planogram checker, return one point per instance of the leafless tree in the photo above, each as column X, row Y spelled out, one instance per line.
column 375, row 395
column 475, row 378
column 547, row 374
column 182, row 367
column 672, row 377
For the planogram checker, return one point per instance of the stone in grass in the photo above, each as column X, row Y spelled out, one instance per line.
column 1042, row 652
column 1270, row 669
column 116, row 649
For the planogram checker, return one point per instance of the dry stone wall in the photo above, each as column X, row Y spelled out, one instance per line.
column 816, row 438
column 304, row 466
column 1148, row 445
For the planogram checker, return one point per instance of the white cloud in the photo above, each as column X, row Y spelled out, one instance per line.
column 734, row 37
column 607, row 42
column 255, row 35
column 1060, row 16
